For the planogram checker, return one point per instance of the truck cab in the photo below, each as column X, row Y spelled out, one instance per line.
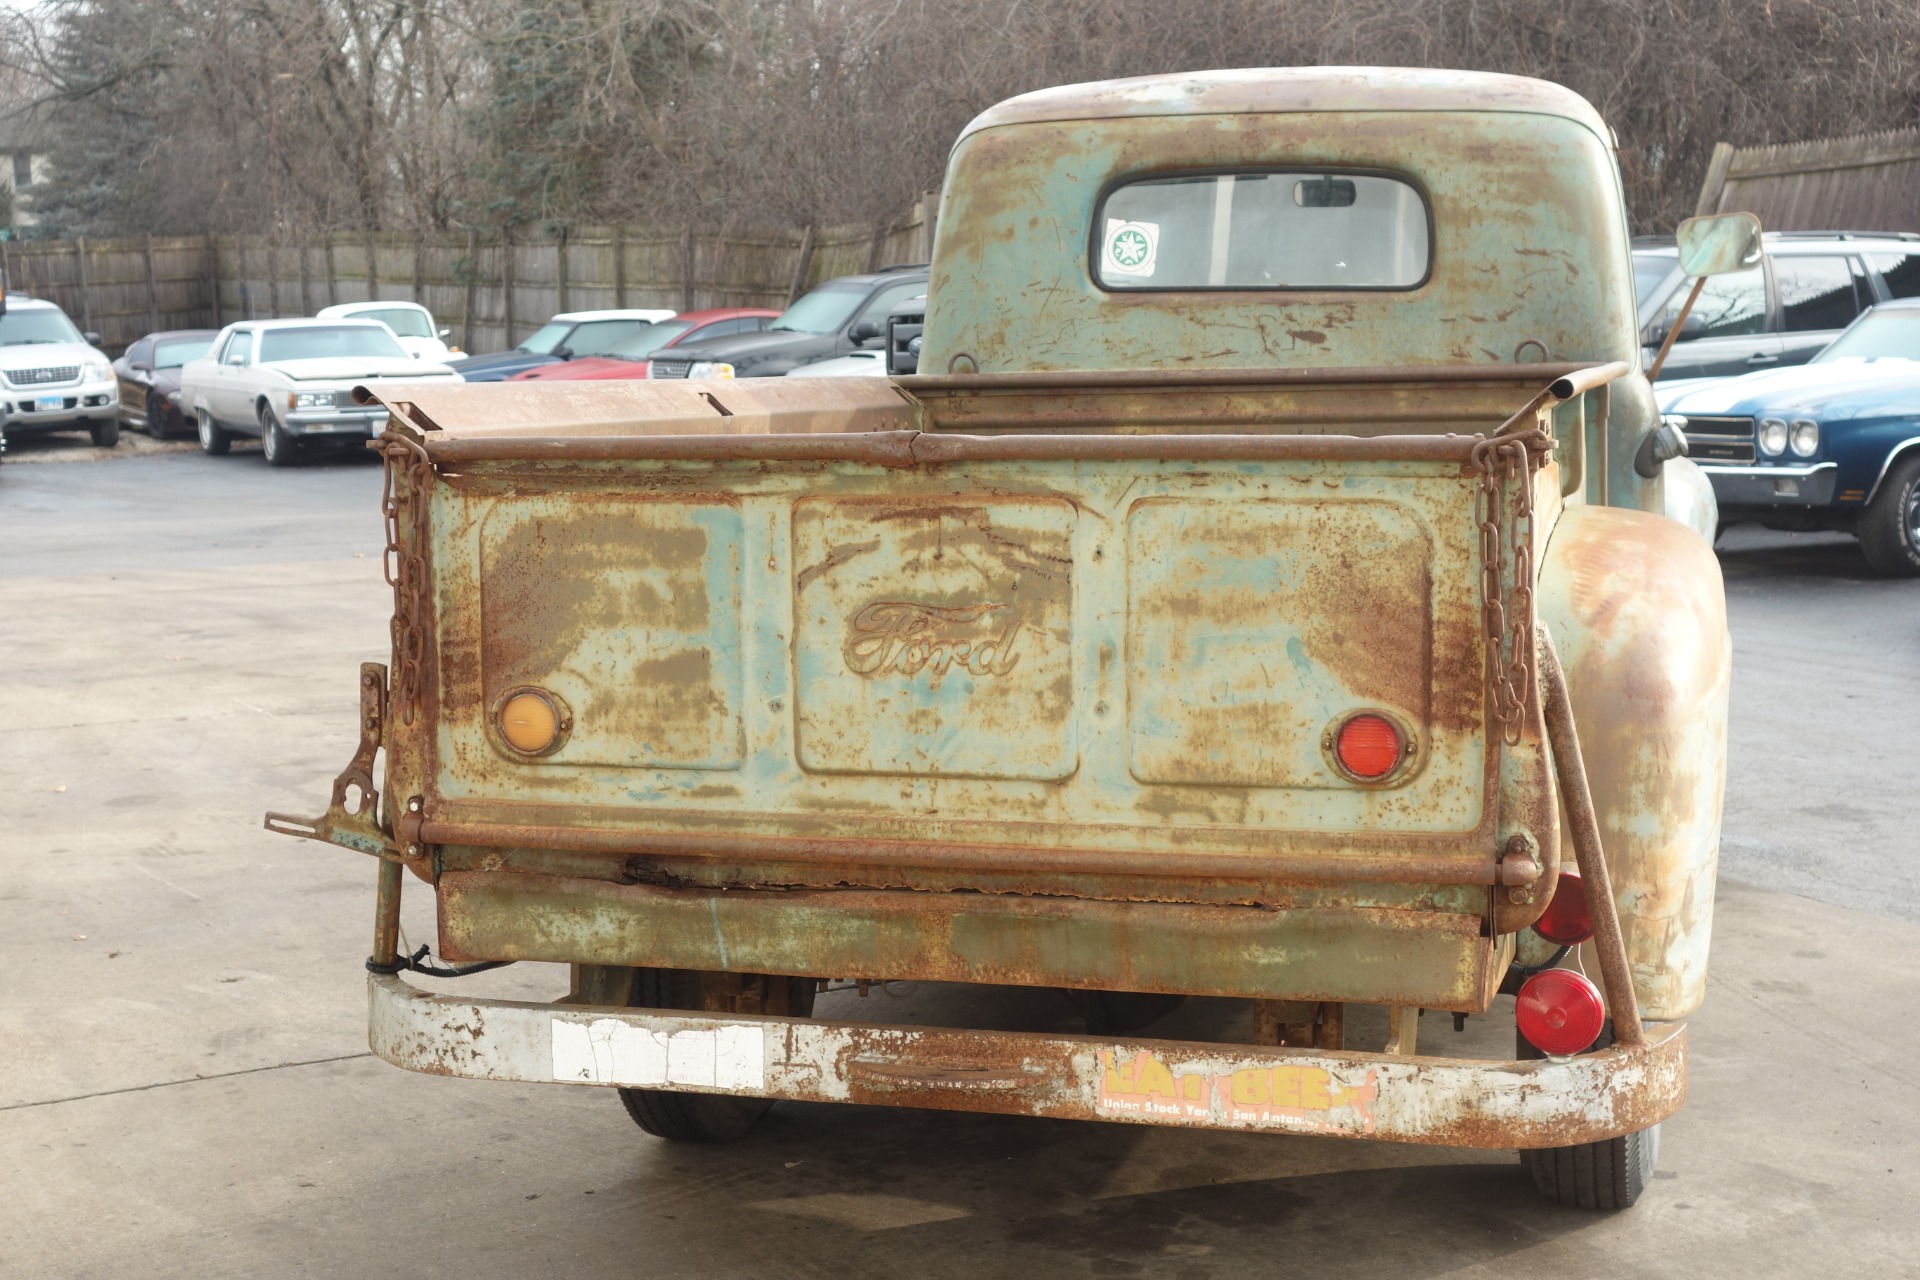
column 1265, row 589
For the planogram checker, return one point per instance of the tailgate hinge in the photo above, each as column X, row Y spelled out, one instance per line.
column 352, row 819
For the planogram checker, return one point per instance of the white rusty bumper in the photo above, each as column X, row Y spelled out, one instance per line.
column 1450, row 1101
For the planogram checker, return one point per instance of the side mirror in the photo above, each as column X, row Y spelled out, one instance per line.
column 1690, row 328
column 1661, row 445
column 93, row 339
column 563, row 353
column 237, row 360
column 866, row 331
column 443, row 334
column 1719, row 244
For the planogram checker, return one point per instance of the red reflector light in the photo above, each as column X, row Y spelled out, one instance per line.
column 1565, row 922
column 1560, row 1012
column 1369, row 746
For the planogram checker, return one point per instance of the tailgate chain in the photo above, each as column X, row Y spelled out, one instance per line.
column 1508, row 609
column 405, row 567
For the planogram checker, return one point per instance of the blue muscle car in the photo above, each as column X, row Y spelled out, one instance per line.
column 1831, row 444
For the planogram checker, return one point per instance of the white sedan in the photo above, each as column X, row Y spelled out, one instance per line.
column 290, row 382
column 411, row 323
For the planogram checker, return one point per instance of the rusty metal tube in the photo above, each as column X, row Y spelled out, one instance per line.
column 1427, row 860
column 1595, row 882
column 386, row 913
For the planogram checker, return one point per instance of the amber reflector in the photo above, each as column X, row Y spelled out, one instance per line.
column 1369, row 746
column 529, row 723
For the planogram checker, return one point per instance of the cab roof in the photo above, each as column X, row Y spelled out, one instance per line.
column 1262, row 90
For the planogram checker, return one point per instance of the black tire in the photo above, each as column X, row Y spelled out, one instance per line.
column 156, row 425
column 1119, row 1013
column 1608, row 1175
column 1889, row 528
column 213, row 437
column 106, row 434
column 277, row 446
column 697, row 1117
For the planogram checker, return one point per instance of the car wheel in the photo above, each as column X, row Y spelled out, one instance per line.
column 105, row 434
column 1889, row 528
column 156, row 417
column 213, row 438
column 1607, row 1175
column 275, row 443
column 701, row 1117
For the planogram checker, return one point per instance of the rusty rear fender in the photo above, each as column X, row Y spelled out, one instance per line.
column 1637, row 610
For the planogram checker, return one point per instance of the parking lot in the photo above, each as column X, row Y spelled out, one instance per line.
column 182, row 1007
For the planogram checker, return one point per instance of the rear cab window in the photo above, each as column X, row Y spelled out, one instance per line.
column 1274, row 229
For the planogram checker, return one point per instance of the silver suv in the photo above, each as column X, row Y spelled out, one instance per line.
column 1810, row 286
column 52, row 377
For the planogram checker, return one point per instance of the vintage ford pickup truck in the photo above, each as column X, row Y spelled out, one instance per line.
column 1266, row 589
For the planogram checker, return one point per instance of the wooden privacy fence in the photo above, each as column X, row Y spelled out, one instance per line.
column 1866, row 182
column 490, row 289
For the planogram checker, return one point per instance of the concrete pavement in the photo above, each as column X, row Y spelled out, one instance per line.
column 185, row 1091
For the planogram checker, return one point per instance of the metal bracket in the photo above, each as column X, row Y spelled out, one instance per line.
column 352, row 819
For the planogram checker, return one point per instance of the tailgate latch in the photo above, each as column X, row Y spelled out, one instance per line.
column 352, row 819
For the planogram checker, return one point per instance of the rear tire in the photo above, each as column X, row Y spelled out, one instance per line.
column 105, row 434
column 213, row 438
column 1119, row 1013
column 698, row 1117
column 1608, row 1175
column 1889, row 528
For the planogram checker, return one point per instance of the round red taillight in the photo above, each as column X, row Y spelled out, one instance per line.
column 1560, row 1012
column 1566, row 922
column 1368, row 746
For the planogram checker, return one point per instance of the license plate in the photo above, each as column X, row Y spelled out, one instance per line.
column 46, row 404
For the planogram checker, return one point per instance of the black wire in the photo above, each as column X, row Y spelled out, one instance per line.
column 417, row 963
column 1527, row 971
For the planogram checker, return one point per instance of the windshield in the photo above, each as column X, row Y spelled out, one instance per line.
column 1263, row 231
column 404, row 321
column 822, row 311
column 21, row 326
column 1877, row 335
column 546, row 338
column 1649, row 269
column 648, row 340
column 331, row 341
column 171, row 355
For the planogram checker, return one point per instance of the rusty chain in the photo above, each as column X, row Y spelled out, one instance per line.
column 1507, row 611
column 405, row 566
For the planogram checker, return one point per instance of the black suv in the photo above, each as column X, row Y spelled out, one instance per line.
column 1809, row 287
column 838, row 317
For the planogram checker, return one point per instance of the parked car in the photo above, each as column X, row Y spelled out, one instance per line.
column 630, row 357
column 52, row 376
column 835, row 319
column 290, row 382
column 1831, row 444
column 1809, row 286
column 149, row 377
column 904, row 328
column 412, row 324
column 567, row 336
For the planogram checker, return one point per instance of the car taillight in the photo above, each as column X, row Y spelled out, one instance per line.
column 1566, row 921
column 1368, row 746
column 1560, row 1012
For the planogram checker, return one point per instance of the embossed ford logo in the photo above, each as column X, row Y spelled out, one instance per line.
column 895, row 635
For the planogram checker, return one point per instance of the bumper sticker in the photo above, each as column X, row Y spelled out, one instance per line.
column 608, row 1051
column 1284, row 1097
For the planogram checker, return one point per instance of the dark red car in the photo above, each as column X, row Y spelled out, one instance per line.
column 630, row 358
column 149, row 377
